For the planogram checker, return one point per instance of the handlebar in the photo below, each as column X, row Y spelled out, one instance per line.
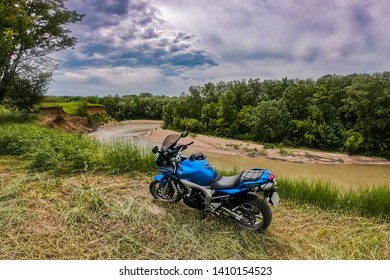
column 176, row 159
column 174, row 155
column 185, row 146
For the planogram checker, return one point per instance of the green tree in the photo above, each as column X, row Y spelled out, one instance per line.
column 367, row 110
column 26, row 93
column 298, row 96
column 243, row 123
column 270, row 120
column 209, row 115
column 31, row 30
column 173, row 112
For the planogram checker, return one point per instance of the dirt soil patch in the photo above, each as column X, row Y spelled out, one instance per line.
column 69, row 123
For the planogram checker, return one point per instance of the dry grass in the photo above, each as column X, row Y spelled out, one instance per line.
column 97, row 216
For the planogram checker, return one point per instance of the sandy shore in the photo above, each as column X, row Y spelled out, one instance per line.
column 211, row 144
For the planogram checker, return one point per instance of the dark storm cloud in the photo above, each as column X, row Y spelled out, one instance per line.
column 164, row 46
column 360, row 17
column 131, row 33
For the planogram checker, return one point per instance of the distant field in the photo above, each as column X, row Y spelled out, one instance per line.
column 71, row 108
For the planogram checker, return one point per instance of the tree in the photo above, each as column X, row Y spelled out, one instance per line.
column 270, row 120
column 297, row 97
column 26, row 93
column 31, row 30
column 367, row 110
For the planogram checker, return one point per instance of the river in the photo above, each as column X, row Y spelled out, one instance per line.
column 343, row 175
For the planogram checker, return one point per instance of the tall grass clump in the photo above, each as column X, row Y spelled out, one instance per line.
column 123, row 157
column 374, row 201
column 322, row 194
column 48, row 149
column 52, row 150
column 366, row 201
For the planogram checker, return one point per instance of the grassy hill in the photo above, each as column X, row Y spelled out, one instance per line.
column 101, row 216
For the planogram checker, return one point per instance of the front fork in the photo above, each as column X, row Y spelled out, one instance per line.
column 165, row 181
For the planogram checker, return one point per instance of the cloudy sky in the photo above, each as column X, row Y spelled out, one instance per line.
column 164, row 46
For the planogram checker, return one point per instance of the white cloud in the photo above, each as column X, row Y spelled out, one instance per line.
column 163, row 46
column 114, row 80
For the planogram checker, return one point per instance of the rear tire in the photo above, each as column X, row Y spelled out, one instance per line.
column 256, row 213
column 167, row 193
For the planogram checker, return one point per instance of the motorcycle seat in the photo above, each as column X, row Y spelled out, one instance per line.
column 226, row 182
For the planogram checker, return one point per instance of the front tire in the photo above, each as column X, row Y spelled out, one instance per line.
column 167, row 193
column 255, row 213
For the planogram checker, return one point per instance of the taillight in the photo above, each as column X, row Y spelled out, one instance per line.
column 271, row 177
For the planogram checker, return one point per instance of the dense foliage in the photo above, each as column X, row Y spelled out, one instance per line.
column 348, row 113
column 31, row 30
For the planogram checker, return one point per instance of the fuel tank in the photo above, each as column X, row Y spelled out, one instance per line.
column 198, row 171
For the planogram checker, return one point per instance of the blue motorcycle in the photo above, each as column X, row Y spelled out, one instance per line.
column 195, row 181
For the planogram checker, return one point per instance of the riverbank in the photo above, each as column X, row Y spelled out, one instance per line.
column 151, row 131
column 217, row 145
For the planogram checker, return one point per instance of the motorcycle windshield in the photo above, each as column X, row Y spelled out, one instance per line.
column 169, row 140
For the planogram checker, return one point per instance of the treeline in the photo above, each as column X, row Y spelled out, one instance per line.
column 127, row 107
column 345, row 113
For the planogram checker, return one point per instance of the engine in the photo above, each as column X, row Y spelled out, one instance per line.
column 196, row 199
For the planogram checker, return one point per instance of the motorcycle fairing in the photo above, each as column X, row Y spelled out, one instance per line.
column 198, row 171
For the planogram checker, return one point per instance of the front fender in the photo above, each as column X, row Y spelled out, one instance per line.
column 159, row 177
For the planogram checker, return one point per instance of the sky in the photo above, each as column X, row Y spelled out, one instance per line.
column 165, row 46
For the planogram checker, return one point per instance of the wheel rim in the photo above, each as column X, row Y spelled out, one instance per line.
column 252, row 216
column 165, row 193
column 168, row 192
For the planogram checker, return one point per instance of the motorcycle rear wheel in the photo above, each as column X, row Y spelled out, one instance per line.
column 167, row 193
column 255, row 213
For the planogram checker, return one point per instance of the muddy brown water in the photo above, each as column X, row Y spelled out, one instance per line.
column 343, row 175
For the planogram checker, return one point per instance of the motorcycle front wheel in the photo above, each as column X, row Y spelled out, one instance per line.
column 255, row 214
column 167, row 193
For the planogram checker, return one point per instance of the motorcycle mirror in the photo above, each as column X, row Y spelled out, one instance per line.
column 155, row 150
column 184, row 134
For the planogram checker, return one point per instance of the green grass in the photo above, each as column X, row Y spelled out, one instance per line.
column 372, row 202
column 52, row 150
column 7, row 116
column 72, row 108
column 122, row 157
